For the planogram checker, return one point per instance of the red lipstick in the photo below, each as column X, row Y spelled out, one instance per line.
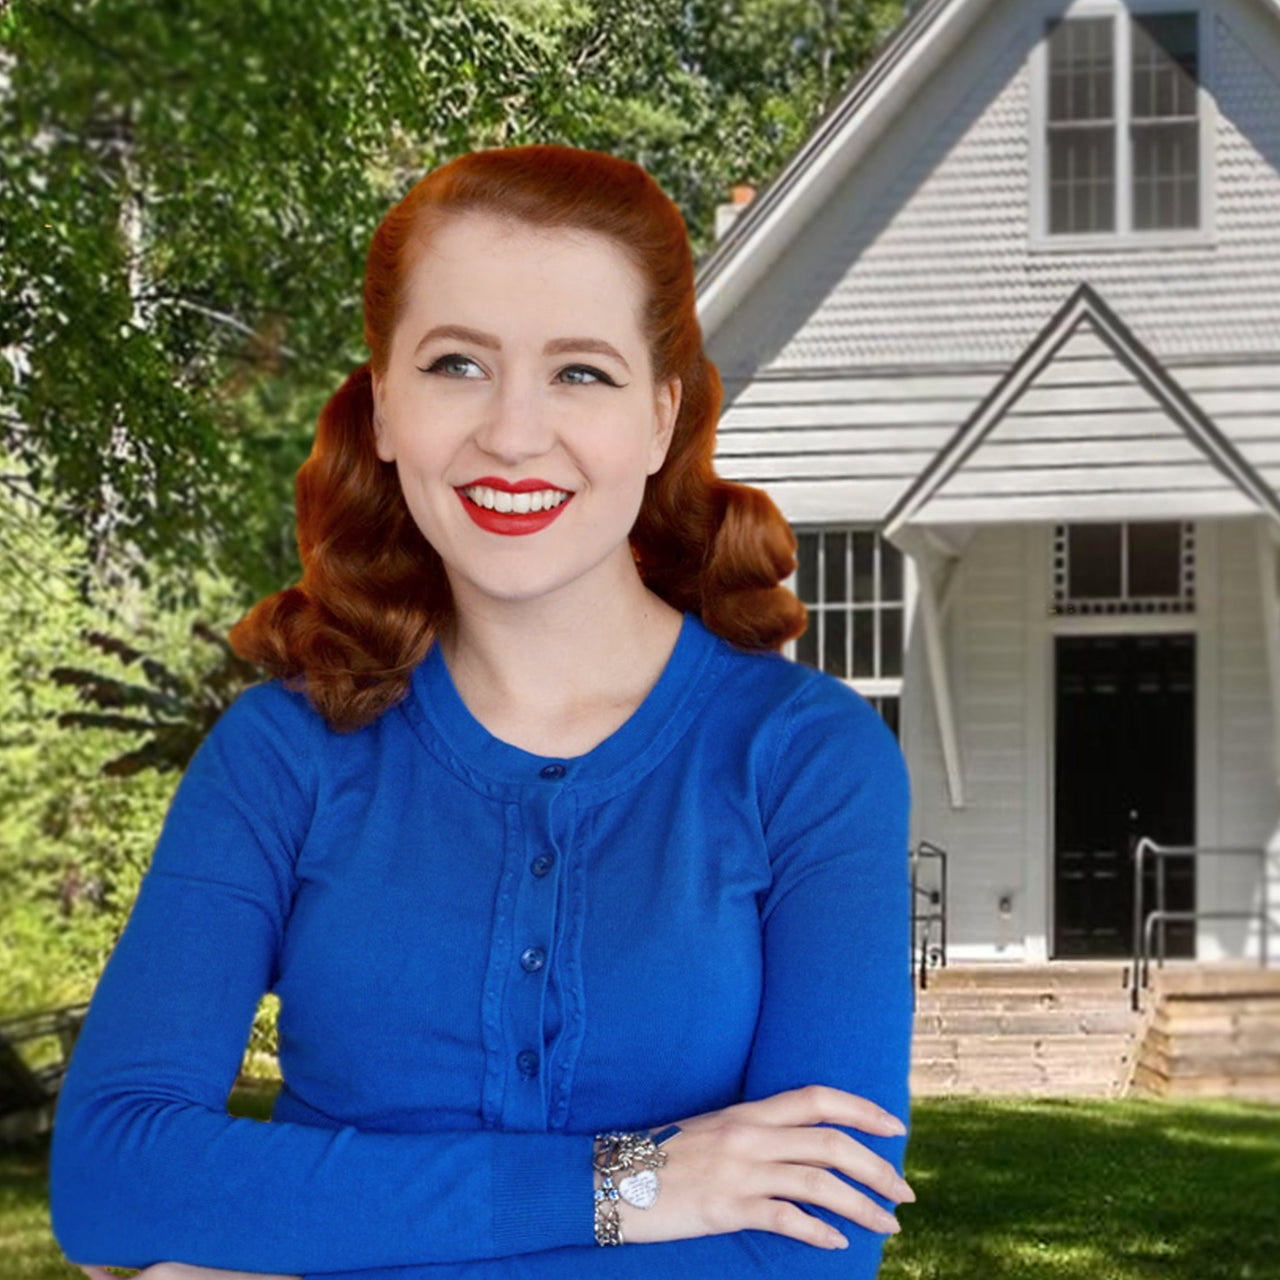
column 511, row 522
column 520, row 486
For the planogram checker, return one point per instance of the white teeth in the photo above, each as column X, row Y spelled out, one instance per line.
column 500, row 500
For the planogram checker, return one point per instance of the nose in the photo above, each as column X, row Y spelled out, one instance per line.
column 516, row 425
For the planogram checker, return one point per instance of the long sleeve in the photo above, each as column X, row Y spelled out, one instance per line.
column 147, row 1166
column 837, row 1004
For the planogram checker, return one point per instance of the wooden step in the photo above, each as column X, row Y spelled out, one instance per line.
column 1011, row 1001
column 1248, row 1060
column 1021, row 1089
column 1201, row 1017
column 941, row 1078
column 1257, row 1089
column 1084, row 1021
column 1068, row 1029
column 1098, row 975
column 1059, row 1030
column 1243, row 1036
column 1213, row 1031
column 1018, row 1048
column 1216, row 980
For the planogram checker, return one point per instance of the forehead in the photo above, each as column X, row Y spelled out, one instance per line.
column 494, row 267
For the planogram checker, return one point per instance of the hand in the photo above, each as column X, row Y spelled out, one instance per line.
column 736, row 1169
column 181, row 1271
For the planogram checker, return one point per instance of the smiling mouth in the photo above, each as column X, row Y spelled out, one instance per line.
column 530, row 503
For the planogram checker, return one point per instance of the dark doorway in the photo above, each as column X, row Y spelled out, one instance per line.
column 1125, row 768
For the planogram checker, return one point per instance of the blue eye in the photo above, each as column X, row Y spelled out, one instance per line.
column 438, row 365
column 443, row 360
column 586, row 368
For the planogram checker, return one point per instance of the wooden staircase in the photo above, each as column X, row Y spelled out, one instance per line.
column 1212, row 1031
column 1045, row 1030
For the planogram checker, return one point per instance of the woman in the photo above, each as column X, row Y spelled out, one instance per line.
column 534, row 832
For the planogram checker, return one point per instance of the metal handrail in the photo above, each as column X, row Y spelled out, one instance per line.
column 936, row 897
column 1143, row 926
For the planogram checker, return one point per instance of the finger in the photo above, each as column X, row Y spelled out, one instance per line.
column 819, row 1103
column 832, row 1149
column 790, row 1220
column 822, row 1189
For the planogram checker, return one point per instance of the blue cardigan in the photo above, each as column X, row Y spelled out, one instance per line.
column 483, row 956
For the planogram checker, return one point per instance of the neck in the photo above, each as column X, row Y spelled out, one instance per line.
column 550, row 656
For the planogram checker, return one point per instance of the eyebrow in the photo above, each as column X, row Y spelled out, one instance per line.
column 555, row 346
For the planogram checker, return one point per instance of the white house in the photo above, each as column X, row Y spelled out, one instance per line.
column 1002, row 341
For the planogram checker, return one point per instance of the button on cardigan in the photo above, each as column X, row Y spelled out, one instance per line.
column 484, row 956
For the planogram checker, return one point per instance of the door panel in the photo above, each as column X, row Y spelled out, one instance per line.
column 1125, row 768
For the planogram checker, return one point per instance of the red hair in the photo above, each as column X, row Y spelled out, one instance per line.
column 374, row 593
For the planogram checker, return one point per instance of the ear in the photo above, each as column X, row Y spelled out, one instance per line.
column 381, row 437
column 667, row 410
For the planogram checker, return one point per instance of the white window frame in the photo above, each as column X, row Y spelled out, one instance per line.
column 1183, row 604
column 869, row 686
column 1123, row 237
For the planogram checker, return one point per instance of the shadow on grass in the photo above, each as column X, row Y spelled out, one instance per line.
column 1143, row 1189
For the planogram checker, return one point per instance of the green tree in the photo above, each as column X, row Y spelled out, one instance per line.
column 187, row 193
column 76, row 830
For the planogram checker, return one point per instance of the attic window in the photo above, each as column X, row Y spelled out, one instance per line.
column 1123, row 123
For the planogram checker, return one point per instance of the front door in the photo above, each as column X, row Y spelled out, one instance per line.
column 1125, row 768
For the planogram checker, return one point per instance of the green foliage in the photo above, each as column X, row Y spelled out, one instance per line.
column 186, row 200
column 75, row 834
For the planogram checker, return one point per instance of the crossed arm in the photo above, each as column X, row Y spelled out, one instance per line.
column 144, row 1146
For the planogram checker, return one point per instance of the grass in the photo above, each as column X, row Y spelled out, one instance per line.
column 1041, row 1189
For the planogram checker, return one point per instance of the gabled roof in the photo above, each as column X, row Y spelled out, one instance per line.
column 1084, row 307
column 774, row 219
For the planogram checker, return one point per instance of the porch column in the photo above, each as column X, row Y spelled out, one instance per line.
column 917, row 546
column 1269, row 593
column 1268, row 535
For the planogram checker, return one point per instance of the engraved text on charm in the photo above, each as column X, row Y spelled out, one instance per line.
column 640, row 1189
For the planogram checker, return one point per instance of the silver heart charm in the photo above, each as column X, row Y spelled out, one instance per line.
column 640, row 1189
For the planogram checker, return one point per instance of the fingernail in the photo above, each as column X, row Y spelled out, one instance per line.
column 890, row 1223
column 895, row 1126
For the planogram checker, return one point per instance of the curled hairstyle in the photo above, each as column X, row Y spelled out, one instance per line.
column 374, row 592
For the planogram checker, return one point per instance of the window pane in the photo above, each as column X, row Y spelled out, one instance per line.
column 864, row 583
column 1155, row 552
column 1093, row 561
column 864, row 640
column 1165, row 65
column 1081, row 180
column 1080, row 69
column 1166, row 169
column 891, row 641
column 890, row 571
column 807, row 568
column 840, row 637
column 833, row 569
column 834, row 661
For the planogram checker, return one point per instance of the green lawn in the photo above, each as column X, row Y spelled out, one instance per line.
column 1030, row 1190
